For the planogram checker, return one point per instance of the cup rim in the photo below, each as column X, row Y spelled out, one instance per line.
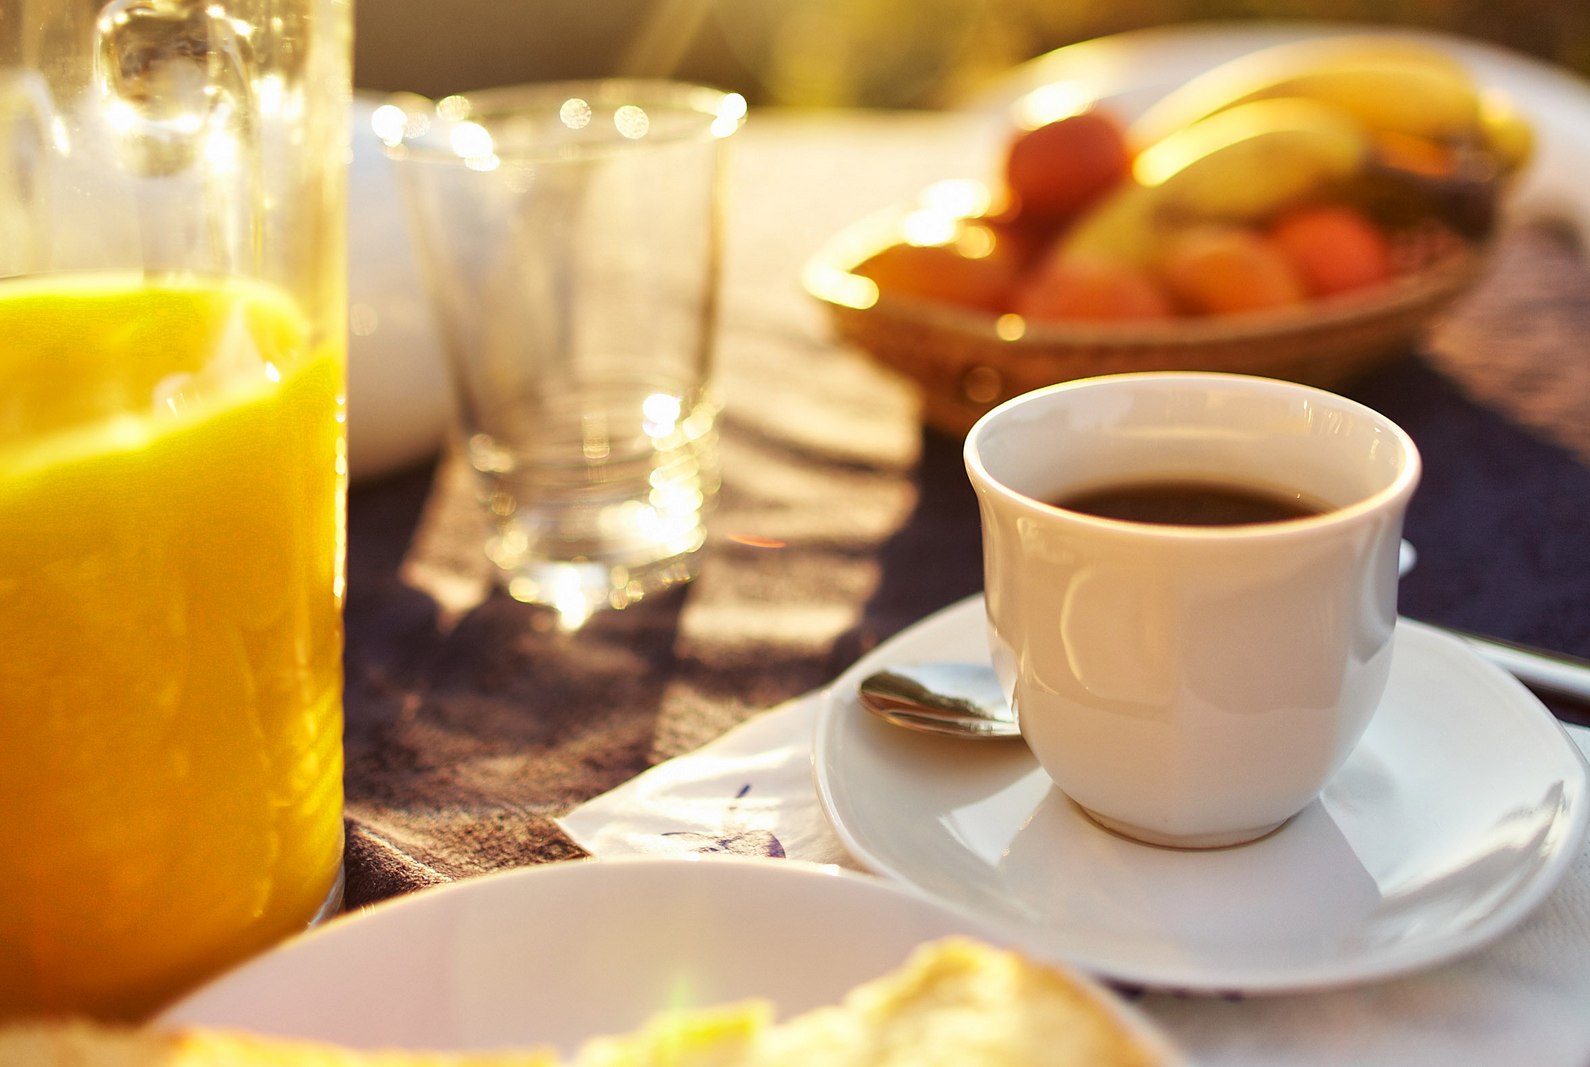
column 404, row 122
column 1399, row 489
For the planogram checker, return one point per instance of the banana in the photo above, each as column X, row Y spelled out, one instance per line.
column 1507, row 132
column 1250, row 159
column 1121, row 228
column 1241, row 164
column 1387, row 83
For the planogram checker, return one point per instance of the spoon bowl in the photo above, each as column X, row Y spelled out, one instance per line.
column 961, row 700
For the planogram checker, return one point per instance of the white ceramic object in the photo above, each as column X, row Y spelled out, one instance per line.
column 558, row 953
column 1191, row 685
column 1461, row 808
column 399, row 398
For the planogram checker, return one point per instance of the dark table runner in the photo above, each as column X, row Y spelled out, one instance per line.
column 472, row 721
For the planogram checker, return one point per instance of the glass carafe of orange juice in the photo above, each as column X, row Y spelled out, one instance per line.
column 172, row 479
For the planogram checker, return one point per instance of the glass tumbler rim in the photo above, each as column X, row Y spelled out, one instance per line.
column 556, row 120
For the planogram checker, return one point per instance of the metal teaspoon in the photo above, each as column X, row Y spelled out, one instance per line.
column 955, row 699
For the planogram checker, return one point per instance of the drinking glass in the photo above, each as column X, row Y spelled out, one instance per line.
column 570, row 235
column 172, row 486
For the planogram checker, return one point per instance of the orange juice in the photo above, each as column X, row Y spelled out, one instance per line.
column 171, row 543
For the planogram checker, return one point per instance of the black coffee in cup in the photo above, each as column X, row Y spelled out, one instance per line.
column 1187, row 502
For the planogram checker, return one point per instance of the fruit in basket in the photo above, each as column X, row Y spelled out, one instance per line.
column 967, row 262
column 1056, row 169
column 1333, row 248
column 1221, row 268
column 1287, row 175
column 1092, row 290
column 1243, row 164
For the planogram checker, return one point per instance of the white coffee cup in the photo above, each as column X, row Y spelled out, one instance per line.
column 1193, row 686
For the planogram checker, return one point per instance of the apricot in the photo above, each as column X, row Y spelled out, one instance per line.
column 1091, row 290
column 1217, row 268
column 975, row 267
column 1056, row 170
column 1333, row 248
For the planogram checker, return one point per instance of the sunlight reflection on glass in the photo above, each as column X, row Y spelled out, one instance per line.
column 631, row 121
column 660, row 413
column 222, row 152
column 471, row 140
column 569, row 601
column 575, row 113
column 731, row 114
column 389, row 123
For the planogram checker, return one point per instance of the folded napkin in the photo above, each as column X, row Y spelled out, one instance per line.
column 1519, row 1000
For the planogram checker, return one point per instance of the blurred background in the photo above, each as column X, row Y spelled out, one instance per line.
column 844, row 53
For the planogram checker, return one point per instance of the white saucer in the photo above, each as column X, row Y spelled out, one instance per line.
column 1462, row 807
column 559, row 953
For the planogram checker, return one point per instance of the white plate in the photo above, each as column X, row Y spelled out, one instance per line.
column 1458, row 812
column 555, row 954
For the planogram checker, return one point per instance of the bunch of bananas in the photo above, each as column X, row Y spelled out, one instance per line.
column 1395, row 88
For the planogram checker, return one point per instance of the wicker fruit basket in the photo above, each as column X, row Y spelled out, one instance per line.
column 966, row 361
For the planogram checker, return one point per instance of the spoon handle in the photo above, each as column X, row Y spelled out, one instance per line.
column 1554, row 673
